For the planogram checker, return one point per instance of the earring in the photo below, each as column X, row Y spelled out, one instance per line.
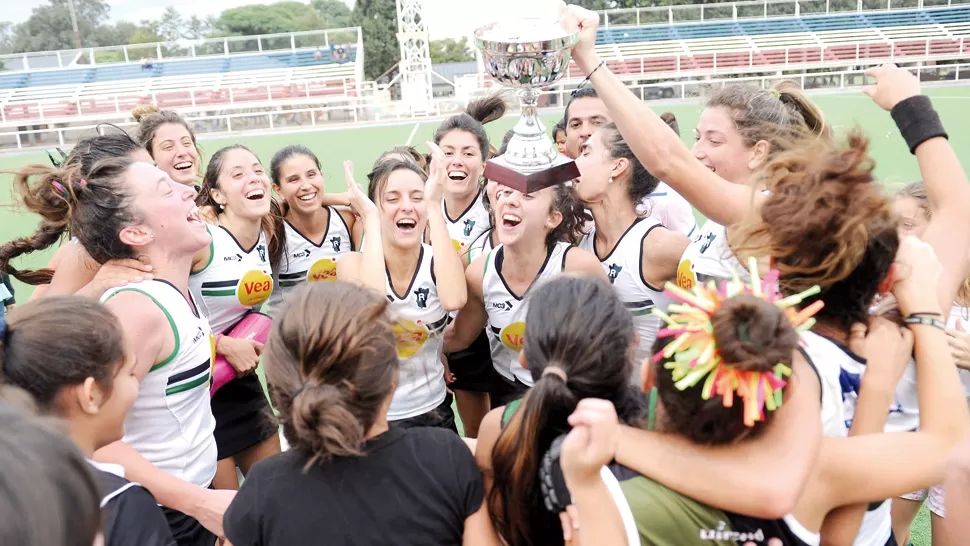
column 222, row 207
column 151, row 235
column 610, row 180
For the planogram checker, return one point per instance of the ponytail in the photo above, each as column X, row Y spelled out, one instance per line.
column 48, row 192
column 515, row 500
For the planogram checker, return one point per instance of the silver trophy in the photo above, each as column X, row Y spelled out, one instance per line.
column 527, row 55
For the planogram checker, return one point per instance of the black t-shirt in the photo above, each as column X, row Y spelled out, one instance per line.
column 412, row 486
column 131, row 515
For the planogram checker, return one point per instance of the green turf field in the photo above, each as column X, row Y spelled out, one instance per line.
column 362, row 145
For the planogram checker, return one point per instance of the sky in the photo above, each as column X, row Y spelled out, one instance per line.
column 441, row 15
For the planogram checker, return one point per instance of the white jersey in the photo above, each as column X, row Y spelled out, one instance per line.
column 306, row 261
column 479, row 247
column 171, row 422
column 623, row 267
column 670, row 209
column 234, row 281
column 419, row 324
column 468, row 225
column 708, row 257
column 840, row 371
column 506, row 311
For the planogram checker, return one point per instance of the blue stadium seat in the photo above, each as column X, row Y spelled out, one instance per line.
column 14, row 80
column 59, row 77
column 119, row 72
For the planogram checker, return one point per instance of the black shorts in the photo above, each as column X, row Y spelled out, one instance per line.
column 473, row 367
column 243, row 416
column 186, row 530
column 504, row 391
column 442, row 417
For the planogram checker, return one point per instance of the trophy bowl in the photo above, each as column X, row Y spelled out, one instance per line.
column 525, row 52
column 527, row 55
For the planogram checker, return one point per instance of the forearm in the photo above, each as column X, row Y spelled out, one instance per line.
column 448, row 270
column 600, row 523
column 664, row 154
column 372, row 270
column 168, row 490
column 336, row 200
column 956, row 482
column 942, row 407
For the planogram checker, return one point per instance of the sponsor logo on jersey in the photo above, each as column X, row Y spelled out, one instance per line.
column 233, row 258
column 254, row 288
column 410, row 335
column 501, row 305
column 513, row 336
column 708, row 239
column 324, row 269
column 262, row 252
column 198, row 335
column 421, row 297
column 458, row 245
column 304, row 254
column 335, row 243
column 686, row 278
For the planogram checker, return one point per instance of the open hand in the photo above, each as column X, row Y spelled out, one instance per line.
column 117, row 273
column 359, row 202
column 893, row 85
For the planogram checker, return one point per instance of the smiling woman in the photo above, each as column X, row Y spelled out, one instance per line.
column 170, row 141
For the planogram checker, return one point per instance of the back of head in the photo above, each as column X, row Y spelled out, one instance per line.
column 90, row 151
column 782, row 115
column 59, row 342
column 826, row 223
column 331, row 363
column 641, row 183
column 752, row 335
column 94, row 208
column 150, row 118
column 478, row 113
column 47, row 489
column 671, row 120
column 571, row 355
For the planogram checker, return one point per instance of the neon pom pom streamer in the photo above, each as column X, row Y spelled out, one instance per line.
column 693, row 356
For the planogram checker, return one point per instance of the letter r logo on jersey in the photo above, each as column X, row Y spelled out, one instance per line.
column 613, row 272
column 469, row 226
column 421, row 296
column 335, row 242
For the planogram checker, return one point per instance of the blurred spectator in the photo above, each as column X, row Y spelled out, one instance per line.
column 318, row 55
column 147, row 63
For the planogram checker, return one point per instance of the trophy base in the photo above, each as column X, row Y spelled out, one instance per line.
column 498, row 170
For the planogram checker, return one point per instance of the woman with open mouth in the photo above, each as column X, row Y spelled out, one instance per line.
column 537, row 232
column 232, row 277
column 122, row 209
column 638, row 254
column 464, row 142
column 171, row 142
column 423, row 282
column 315, row 235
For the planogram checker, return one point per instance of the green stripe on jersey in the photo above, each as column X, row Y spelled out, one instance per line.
column 219, row 292
column 188, row 386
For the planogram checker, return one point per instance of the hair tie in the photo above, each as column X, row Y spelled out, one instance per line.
column 775, row 92
column 693, row 356
column 83, row 183
column 556, row 371
column 59, row 188
column 298, row 391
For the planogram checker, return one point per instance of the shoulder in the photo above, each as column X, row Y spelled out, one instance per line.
column 660, row 242
column 488, row 432
column 135, row 305
column 132, row 516
column 344, row 214
column 476, row 270
column 580, row 260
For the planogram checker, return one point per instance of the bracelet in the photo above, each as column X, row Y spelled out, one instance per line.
column 924, row 321
column 917, row 121
column 928, row 314
column 586, row 81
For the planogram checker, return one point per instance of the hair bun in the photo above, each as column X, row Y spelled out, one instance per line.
column 752, row 334
column 487, row 109
column 143, row 111
column 324, row 423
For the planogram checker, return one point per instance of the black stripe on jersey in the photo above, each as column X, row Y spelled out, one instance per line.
column 496, row 331
column 220, row 284
column 182, row 376
column 638, row 304
column 292, row 276
column 438, row 326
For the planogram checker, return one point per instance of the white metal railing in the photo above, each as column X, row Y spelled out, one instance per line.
column 755, row 9
column 358, row 111
column 186, row 49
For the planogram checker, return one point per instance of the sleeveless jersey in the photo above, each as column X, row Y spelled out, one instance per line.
column 623, row 268
column 305, row 261
column 234, row 281
column 840, row 372
column 171, row 422
column 481, row 245
column 506, row 311
column 419, row 324
column 708, row 257
column 469, row 224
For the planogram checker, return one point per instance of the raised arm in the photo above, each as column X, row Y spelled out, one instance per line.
column 370, row 264
column 470, row 321
column 659, row 149
column 898, row 91
column 448, row 271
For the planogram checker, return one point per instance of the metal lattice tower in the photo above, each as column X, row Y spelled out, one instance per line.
column 412, row 33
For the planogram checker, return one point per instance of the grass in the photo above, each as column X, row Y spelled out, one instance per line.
column 894, row 164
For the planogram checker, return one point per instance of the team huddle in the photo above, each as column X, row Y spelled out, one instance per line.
column 621, row 375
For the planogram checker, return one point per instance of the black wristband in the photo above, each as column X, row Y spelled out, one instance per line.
column 924, row 321
column 917, row 121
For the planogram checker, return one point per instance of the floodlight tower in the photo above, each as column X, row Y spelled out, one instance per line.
column 412, row 33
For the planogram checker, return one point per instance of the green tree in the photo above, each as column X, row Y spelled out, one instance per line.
column 271, row 19
column 49, row 26
column 333, row 13
column 450, row 50
column 377, row 20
